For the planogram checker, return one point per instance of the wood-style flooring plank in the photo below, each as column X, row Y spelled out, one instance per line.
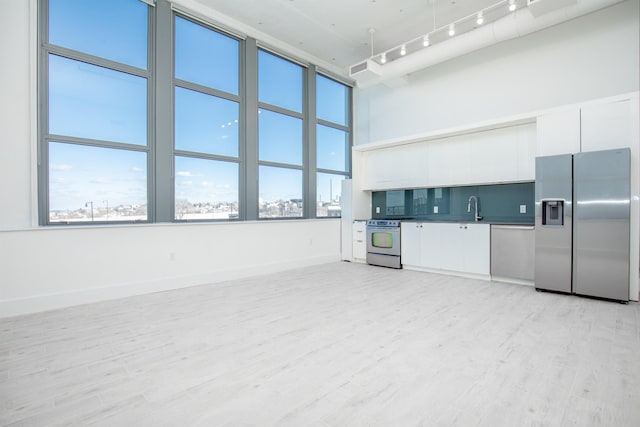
column 333, row 345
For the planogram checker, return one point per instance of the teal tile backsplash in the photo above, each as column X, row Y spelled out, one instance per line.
column 499, row 203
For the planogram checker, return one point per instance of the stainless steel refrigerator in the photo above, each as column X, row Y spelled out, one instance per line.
column 582, row 223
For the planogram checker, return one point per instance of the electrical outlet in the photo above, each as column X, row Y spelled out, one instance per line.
column 523, row 209
column 377, row 209
column 435, row 209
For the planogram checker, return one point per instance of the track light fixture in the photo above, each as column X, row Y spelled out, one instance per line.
column 496, row 11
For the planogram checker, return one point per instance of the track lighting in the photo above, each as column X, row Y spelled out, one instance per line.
column 496, row 11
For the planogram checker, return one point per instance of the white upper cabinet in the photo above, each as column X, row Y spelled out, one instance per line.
column 558, row 133
column 503, row 155
column 593, row 127
column 493, row 156
column 606, row 126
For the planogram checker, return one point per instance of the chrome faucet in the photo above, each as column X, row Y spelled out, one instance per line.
column 475, row 200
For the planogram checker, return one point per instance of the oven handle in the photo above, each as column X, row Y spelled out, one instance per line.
column 392, row 229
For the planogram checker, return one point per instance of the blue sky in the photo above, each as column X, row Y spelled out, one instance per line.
column 80, row 174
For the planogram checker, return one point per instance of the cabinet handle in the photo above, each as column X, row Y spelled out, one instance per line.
column 513, row 227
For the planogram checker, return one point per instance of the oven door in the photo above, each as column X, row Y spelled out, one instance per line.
column 383, row 240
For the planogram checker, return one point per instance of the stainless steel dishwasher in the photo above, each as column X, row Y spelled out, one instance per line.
column 513, row 253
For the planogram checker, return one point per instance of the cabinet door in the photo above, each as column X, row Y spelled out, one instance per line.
column 465, row 248
column 558, row 133
column 359, row 240
column 431, row 246
column 411, row 243
column 452, row 246
column 476, row 249
column 606, row 126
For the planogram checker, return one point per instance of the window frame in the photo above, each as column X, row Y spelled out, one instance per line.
column 348, row 129
column 304, row 117
column 161, row 84
column 46, row 49
column 206, row 90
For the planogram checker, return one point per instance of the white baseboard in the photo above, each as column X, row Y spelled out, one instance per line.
column 56, row 300
column 447, row 272
column 512, row 280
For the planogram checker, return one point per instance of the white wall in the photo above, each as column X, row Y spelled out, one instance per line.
column 591, row 57
column 16, row 103
column 45, row 268
column 56, row 267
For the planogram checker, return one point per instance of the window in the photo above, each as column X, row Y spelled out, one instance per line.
column 206, row 57
column 279, row 82
column 89, row 183
column 87, row 101
column 206, row 189
column 96, row 140
column 333, row 156
column 207, row 124
column 84, row 26
column 280, row 192
column 329, row 191
column 149, row 115
column 280, row 137
column 333, row 101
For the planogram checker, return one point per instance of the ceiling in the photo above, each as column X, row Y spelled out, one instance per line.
column 337, row 31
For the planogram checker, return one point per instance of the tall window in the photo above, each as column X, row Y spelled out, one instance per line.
column 332, row 144
column 149, row 115
column 207, row 123
column 280, row 137
column 95, row 141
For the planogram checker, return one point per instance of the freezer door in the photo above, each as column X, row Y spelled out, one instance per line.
column 553, row 238
column 601, row 224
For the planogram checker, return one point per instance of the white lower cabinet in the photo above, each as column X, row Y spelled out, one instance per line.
column 477, row 248
column 359, row 241
column 454, row 247
column 411, row 243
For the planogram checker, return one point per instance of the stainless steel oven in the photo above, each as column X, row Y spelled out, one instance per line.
column 383, row 243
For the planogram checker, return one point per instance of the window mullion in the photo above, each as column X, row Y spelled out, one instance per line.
column 164, row 106
column 251, row 192
column 311, row 187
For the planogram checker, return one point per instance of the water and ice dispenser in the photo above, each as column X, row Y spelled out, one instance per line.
column 553, row 212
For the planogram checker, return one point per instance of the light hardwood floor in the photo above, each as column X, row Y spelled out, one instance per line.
column 333, row 345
